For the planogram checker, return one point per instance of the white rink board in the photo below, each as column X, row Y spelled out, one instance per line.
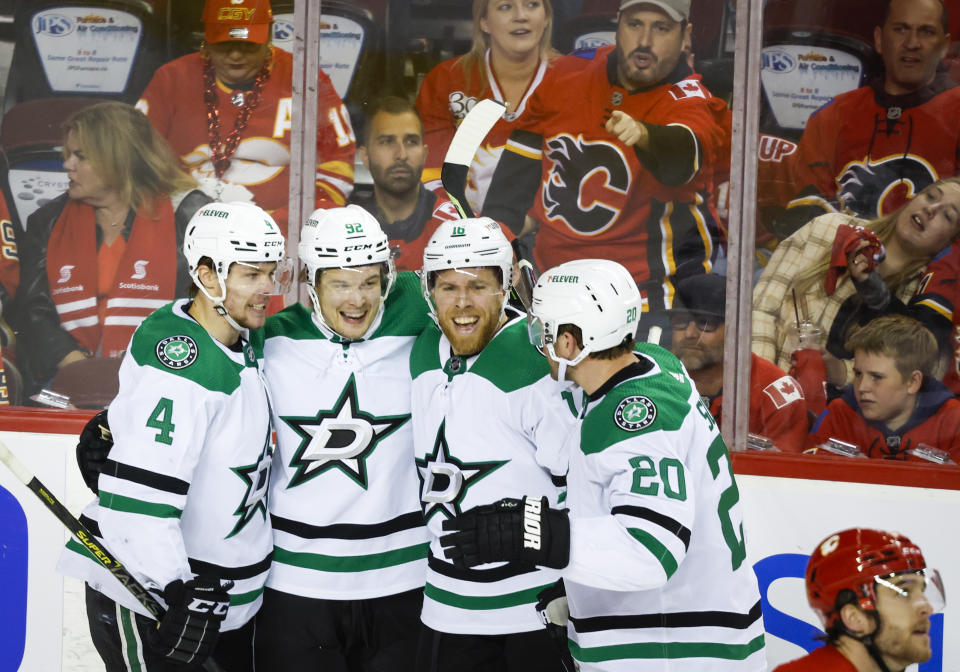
column 785, row 519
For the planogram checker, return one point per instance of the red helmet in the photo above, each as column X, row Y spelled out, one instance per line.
column 853, row 559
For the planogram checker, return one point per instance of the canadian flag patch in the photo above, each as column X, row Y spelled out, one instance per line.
column 784, row 391
column 688, row 88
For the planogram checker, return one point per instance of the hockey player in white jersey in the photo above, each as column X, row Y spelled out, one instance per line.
column 488, row 422
column 346, row 586
column 183, row 493
column 657, row 576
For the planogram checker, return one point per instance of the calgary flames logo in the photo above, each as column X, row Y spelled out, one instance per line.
column 585, row 181
column 872, row 188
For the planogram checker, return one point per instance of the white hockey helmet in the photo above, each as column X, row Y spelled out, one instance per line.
column 344, row 238
column 230, row 233
column 597, row 295
column 467, row 243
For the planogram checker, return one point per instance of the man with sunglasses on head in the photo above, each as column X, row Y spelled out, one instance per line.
column 777, row 408
column 874, row 594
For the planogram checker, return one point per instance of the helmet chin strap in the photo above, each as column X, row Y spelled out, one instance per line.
column 871, row 646
column 329, row 331
column 220, row 308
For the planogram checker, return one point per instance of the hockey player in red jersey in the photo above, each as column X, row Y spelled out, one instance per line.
column 874, row 595
column 895, row 409
column 392, row 149
column 625, row 171
column 872, row 149
column 227, row 111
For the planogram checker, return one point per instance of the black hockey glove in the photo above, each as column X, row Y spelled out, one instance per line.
column 554, row 614
column 92, row 450
column 188, row 632
column 527, row 530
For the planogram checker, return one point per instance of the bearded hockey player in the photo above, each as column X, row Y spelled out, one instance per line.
column 488, row 421
column 346, row 586
column 646, row 461
column 183, row 493
column 874, row 595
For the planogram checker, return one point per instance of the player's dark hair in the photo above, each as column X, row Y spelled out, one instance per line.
column 944, row 16
column 390, row 105
column 625, row 347
column 194, row 289
column 844, row 597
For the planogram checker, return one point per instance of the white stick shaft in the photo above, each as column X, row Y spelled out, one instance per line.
column 14, row 464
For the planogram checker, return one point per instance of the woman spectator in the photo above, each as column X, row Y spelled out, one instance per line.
column 510, row 56
column 102, row 256
column 804, row 269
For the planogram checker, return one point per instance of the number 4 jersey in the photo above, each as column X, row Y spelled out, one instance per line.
column 658, row 569
column 184, row 489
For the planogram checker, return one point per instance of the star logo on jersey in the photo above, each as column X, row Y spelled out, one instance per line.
column 445, row 480
column 634, row 413
column 177, row 352
column 256, row 476
column 340, row 438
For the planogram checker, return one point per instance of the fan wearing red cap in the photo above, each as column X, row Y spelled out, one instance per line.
column 227, row 109
column 874, row 595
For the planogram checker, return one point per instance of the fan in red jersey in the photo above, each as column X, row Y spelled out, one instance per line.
column 227, row 112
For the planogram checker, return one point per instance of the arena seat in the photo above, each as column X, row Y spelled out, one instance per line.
column 107, row 48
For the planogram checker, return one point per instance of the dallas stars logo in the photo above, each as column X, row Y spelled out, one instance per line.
column 257, row 477
column 444, row 480
column 342, row 438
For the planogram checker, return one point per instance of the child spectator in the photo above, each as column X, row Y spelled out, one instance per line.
column 894, row 409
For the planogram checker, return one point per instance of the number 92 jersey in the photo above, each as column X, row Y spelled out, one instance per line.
column 656, row 531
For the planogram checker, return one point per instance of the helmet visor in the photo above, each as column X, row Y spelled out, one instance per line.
column 914, row 587
column 537, row 331
column 270, row 277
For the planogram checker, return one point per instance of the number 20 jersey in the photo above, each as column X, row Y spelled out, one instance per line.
column 658, row 570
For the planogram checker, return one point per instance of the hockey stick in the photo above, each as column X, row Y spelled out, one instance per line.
column 466, row 141
column 456, row 164
column 85, row 537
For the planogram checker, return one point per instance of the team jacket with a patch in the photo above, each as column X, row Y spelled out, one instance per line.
column 184, row 490
column 658, row 577
column 595, row 196
column 868, row 152
column 260, row 168
column 777, row 409
column 344, row 497
column 935, row 422
column 937, row 305
column 485, row 427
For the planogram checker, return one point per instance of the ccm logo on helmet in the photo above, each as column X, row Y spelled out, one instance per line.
column 355, row 248
column 531, row 523
column 272, row 243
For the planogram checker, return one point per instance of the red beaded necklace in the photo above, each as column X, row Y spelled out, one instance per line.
column 222, row 151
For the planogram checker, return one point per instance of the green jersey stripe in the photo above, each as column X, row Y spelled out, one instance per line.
column 351, row 563
column 521, row 597
column 663, row 650
column 109, row 500
column 660, row 552
column 128, row 631
column 245, row 598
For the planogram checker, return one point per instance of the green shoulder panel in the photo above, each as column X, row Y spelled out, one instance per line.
column 406, row 312
column 294, row 322
column 510, row 361
column 658, row 401
column 425, row 355
column 181, row 347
